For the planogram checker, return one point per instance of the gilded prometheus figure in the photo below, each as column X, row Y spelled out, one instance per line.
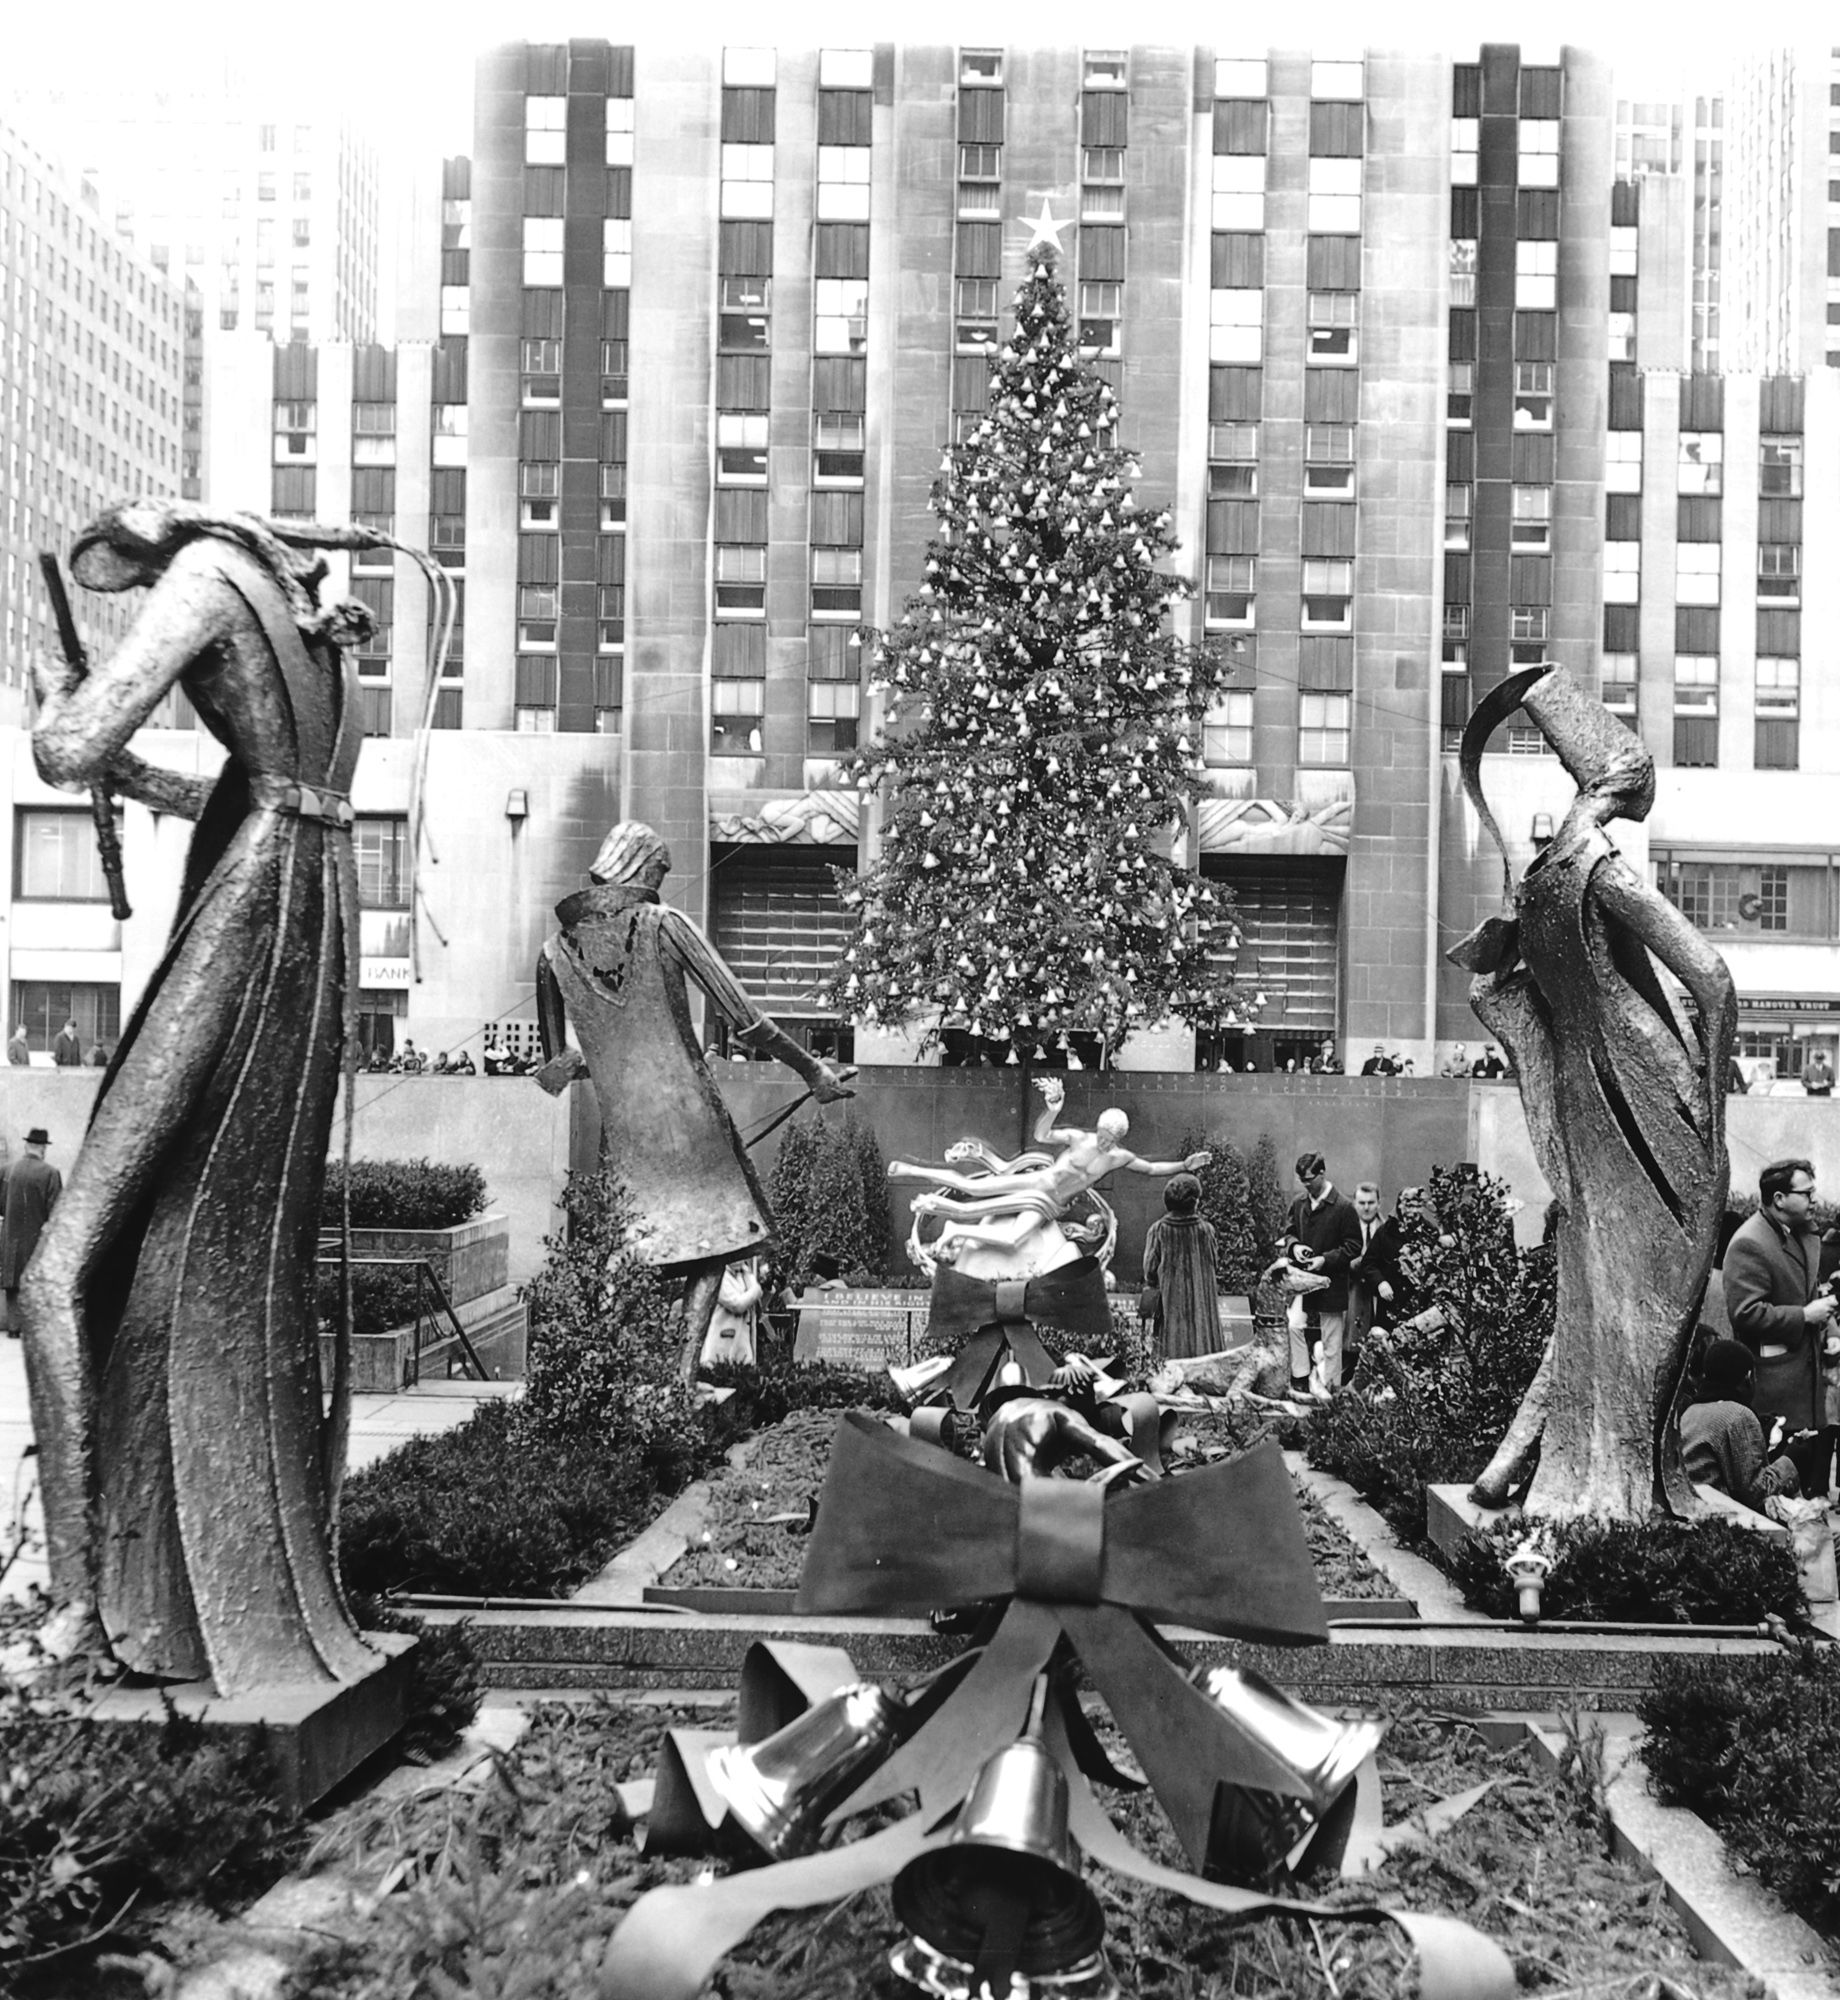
column 616, row 973
column 189, row 1472
column 1625, row 1101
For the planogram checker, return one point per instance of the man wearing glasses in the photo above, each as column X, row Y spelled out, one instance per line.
column 1771, row 1271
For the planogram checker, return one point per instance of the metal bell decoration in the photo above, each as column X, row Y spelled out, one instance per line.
column 916, row 1378
column 1255, row 1832
column 781, row 1790
column 1001, row 1909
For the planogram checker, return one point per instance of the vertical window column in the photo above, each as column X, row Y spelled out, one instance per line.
column 977, row 256
column 1104, row 132
column 608, row 670
column 833, row 686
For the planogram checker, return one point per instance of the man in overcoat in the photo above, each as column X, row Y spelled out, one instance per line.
column 1771, row 1269
column 32, row 1186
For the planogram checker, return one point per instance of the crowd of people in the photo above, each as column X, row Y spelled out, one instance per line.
column 411, row 1061
column 68, row 1050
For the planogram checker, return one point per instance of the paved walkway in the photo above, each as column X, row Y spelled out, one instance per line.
column 378, row 1425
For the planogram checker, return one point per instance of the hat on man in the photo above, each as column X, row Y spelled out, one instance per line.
column 38, row 1136
column 1309, row 1165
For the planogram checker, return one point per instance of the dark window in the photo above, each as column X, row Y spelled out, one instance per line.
column 535, row 681
column 1333, row 263
column 1699, row 519
column 1625, row 398
column 739, row 652
column 1234, row 395
column 1238, row 262
column 1461, row 458
column 836, row 520
column 844, row 117
column 1328, row 529
column 1779, row 520
column 1101, row 254
column 1330, row 395
column 1465, row 214
column 1536, row 336
column 838, row 382
column 1457, row 573
column 1233, row 527
column 539, row 434
column 1623, row 517
column 971, row 382
column 980, row 117
column 1325, row 661
column 1702, row 402
column 1102, row 117
column 1622, row 628
column 1335, row 131
column 1239, row 124
column 1625, row 204
column 980, row 249
column 1778, row 745
column 747, row 116
column 1462, row 334
column 741, row 514
column 1540, row 93
column 1530, row 581
column 1622, row 295
column 1466, row 93
column 1532, row 458
column 539, row 558
column 1780, row 405
column 742, row 381
column 1696, row 742
column 619, row 190
column 841, row 250
column 541, row 315
column 543, row 190
column 746, row 249
column 295, row 489
column 1779, row 635
column 1696, row 629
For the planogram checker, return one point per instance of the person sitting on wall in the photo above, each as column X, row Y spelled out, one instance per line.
column 462, row 1065
column 439, row 1066
column 411, row 1062
column 1327, row 1062
column 1721, row 1435
column 1818, row 1077
column 1490, row 1065
column 19, row 1049
column 98, row 1057
column 67, row 1050
column 1379, row 1063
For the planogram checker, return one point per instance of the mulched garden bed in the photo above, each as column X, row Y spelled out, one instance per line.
column 759, row 1513
column 517, row 1886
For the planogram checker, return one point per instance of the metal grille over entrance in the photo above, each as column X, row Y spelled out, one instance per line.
column 1289, row 927
column 776, row 917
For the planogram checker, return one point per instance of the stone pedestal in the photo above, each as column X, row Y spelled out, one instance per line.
column 315, row 1735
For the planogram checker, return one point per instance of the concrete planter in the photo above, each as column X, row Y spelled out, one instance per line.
column 470, row 1259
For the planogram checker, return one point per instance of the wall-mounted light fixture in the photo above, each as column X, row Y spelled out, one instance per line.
column 1542, row 830
column 517, row 804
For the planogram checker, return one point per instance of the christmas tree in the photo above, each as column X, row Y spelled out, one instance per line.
column 1045, row 736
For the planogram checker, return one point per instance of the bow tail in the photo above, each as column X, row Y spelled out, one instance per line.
column 1188, row 1746
column 987, row 1709
column 672, row 1938
column 1455, row 1961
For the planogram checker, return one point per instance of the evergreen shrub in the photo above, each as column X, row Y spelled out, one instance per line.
column 830, row 1198
column 1639, row 1572
column 1226, row 1202
column 1429, row 1406
column 403, row 1194
column 382, row 1297
column 1753, row 1746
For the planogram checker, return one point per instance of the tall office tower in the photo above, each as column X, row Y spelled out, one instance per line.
column 264, row 208
column 1537, row 284
column 90, row 357
column 90, row 337
column 1781, row 200
column 1685, row 137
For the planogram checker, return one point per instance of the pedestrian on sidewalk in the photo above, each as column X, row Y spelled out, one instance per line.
column 31, row 1189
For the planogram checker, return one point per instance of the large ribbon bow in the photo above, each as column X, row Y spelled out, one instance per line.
column 904, row 1527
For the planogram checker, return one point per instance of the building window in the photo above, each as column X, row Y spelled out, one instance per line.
column 1101, row 318
column 1779, row 709
column 1696, row 712
column 1779, row 572
column 1328, row 596
column 1457, row 503
column 543, row 249
column 619, row 131
column 1226, row 730
column 57, row 858
column 1460, row 391
column 382, row 847
column 1322, row 730
column 1779, row 471
column 1231, row 584
column 1333, row 318
column 741, row 581
column 980, row 195
column 545, row 131
column 1531, row 524
column 833, row 714
column 837, row 448
column 836, row 583
column 1533, row 395
column 741, row 450
column 1696, row 573
column 1702, row 462
column 1539, row 153
column 45, row 1005
column 842, row 314
column 735, row 711
column 1623, row 461
column 1620, row 684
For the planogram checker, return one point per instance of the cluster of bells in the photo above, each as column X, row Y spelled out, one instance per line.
column 1002, row 1908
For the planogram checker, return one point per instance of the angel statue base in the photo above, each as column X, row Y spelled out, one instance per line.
column 1023, row 1242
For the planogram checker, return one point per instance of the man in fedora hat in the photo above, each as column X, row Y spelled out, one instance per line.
column 32, row 1187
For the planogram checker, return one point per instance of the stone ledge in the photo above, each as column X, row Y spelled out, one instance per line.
column 1450, row 1514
